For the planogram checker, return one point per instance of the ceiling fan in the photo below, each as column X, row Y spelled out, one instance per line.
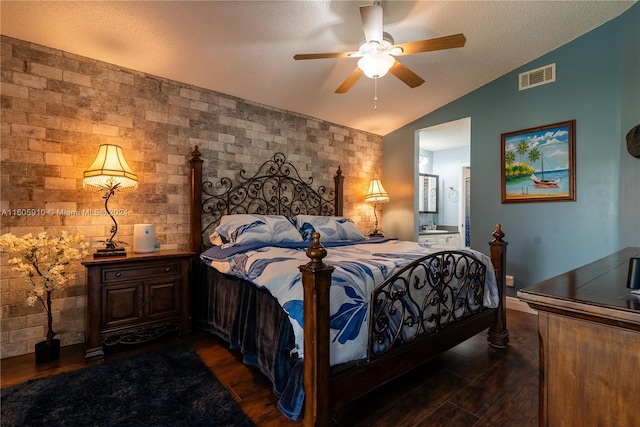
column 377, row 53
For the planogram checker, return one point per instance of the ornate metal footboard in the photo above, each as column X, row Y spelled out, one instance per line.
column 434, row 304
column 423, row 298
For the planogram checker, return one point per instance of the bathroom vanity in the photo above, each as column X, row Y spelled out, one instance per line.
column 440, row 238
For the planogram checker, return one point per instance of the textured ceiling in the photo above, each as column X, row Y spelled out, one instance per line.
column 246, row 48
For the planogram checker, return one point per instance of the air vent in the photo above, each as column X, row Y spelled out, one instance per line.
column 537, row 77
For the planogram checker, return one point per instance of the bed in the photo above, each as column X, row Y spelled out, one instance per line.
column 328, row 315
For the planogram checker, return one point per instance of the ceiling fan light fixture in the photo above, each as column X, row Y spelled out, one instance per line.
column 378, row 51
column 376, row 65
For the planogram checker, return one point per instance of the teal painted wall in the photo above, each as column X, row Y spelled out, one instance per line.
column 597, row 85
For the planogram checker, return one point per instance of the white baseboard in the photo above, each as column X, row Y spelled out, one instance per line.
column 514, row 303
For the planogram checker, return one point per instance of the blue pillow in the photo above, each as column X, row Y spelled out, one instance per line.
column 249, row 228
column 331, row 228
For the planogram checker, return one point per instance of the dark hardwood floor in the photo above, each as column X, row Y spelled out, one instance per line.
column 471, row 385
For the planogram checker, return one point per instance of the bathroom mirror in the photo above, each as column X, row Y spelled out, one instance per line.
column 428, row 193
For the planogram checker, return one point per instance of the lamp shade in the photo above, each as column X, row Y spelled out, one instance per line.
column 110, row 170
column 376, row 192
column 375, row 65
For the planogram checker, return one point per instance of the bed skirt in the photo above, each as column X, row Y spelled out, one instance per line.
column 251, row 320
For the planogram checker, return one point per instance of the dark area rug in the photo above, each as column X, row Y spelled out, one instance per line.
column 169, row 387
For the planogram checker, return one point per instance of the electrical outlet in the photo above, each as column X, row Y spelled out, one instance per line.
column 509, row 281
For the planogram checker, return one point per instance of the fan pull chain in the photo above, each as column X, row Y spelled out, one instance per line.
column 375, row 93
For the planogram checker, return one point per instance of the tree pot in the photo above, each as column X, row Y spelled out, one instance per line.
column 47, row 353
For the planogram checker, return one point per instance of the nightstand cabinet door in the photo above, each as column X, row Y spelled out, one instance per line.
column 163, row 299
column 136, row 298
column 121, row 304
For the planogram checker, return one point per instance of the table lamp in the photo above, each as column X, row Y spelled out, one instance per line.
column 376, row 194
column 110, row 172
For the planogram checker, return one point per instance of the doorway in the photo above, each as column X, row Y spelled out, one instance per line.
column 446, row 149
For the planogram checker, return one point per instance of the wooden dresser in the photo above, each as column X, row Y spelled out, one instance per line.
column 589, row 326
column 136, row 298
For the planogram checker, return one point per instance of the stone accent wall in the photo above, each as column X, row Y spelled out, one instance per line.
column 57, row 108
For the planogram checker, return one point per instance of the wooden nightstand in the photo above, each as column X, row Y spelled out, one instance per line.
column 136, row 298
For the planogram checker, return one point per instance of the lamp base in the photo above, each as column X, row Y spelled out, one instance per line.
column 376, row 234
column 104, row 253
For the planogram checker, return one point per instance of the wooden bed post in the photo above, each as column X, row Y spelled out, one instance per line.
column 338, row 180
column 498, row 333
column 195, row 237
column 316, row 280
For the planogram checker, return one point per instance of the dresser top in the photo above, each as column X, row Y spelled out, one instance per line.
column 595, row 289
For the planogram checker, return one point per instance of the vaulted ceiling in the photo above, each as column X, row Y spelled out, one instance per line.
column 246, row 48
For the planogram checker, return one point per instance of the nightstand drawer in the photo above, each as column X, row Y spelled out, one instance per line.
column 118, row 274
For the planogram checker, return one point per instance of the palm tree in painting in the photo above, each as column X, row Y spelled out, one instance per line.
column 534, row 155
column 522, row 148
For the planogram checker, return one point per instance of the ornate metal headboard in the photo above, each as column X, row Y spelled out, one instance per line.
column 275, row 189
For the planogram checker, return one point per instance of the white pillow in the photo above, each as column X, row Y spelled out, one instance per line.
column 249, row 228
column 331, row 228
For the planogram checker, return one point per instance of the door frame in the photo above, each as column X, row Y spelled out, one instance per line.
column 462, row 202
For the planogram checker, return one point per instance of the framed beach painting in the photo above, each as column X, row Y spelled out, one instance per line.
column 538, row 164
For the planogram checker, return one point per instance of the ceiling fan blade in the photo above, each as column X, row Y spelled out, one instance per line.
column 410, row 78
column 350, row 81
column 372, row 22
column 324, row 55
column 439, row 43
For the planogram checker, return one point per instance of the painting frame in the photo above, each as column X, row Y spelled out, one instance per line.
column 522, row 171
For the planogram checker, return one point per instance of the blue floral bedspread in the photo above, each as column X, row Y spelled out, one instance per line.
column 359, row 267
